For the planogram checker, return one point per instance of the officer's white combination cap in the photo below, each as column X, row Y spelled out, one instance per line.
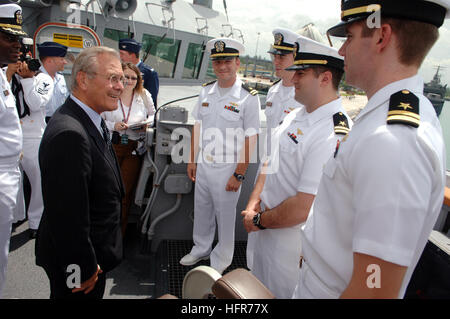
column 224, row 48
column 309, row 53
column 284, row 41
column 11, row 19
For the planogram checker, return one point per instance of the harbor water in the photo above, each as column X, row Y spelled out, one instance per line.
column 445, row 123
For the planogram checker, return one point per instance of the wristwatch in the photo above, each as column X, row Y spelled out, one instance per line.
column 239, row 177
column 257, row 221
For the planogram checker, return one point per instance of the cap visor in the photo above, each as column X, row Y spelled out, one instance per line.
column 295, row 67
column 340, row 29
column 14, row 32
column 279, row 52
column 224, row 58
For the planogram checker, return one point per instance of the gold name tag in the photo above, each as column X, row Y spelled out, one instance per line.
column 269, row 104
column 205, row 104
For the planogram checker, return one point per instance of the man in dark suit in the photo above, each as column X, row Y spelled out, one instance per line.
column 129, row 52
column 79, row 236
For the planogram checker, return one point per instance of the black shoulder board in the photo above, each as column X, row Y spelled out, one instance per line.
column 249, row 89
column 209, row 83
column 340, row 123
column 276, row 82
column 404, row 109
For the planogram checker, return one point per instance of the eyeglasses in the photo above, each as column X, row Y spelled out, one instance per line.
column 115, row 79
column 134, row 78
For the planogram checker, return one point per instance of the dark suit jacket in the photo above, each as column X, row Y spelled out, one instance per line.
column 82, row 191
column 151, row 80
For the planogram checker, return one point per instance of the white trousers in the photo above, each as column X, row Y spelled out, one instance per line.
column 9, row 187
column 19, row 212
column 276, row 256
column 30, row 165
column 213, row 203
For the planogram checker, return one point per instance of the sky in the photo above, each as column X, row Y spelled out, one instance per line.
column 253, row 16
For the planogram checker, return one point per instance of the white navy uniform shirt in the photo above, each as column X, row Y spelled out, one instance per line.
column 380, row 196
column 279, row 103
column 306, row 141
column 60, row 93
column 10, row 130
column 37, row 92
column 236, row 109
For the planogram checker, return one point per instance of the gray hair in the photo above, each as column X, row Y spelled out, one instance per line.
column 87, row 61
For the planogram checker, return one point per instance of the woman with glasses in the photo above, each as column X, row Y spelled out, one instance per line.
column 135, row 106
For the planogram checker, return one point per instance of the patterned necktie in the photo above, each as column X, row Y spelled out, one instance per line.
column 105, row 133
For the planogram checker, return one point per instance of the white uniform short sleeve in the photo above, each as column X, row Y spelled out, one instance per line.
column 37, row 91
column 314, row 158
column 251, row 116
column 390, row 199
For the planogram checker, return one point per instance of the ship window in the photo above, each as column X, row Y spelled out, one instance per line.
column 210, row 72
column 193, row 62
column 161, row 54
column 111, row 38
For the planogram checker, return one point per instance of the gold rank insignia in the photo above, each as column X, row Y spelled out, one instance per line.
column 340, row 123
column 299, row 132
column 404, row 109
column 249, row 89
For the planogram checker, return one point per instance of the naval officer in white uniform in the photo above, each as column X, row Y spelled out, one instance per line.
column 227, row 124
column 280, row 98
column 32, row 91
column 288, row 182
column 381, row 194
column 10, row 130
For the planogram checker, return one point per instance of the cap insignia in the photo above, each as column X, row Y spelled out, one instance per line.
column 18, row 16
column 219, row 46
column 278, row 38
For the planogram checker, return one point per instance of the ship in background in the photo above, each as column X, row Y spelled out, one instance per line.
column 435, row 92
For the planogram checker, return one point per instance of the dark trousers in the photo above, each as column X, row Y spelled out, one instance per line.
column 59, row 289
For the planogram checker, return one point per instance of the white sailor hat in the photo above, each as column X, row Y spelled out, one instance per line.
column 284, row 41
column 11, row 19
column 309, row 53
column 429, row 11
column 224, row 48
